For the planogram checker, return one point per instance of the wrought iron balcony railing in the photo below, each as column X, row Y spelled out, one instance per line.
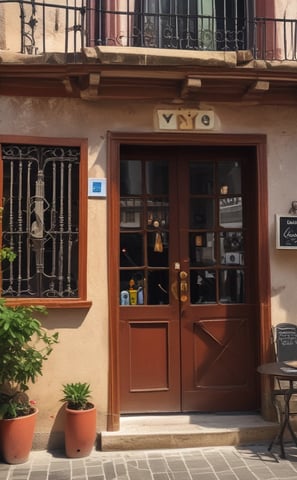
column 67, row 26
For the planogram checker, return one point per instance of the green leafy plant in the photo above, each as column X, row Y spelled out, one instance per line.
column 24, row 346
column 77, row 396
column 7, row 253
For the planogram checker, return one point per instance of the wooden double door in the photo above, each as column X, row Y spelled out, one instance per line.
column 188, row 290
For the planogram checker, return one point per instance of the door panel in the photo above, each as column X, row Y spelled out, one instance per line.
column 149, row 361
column 149, row 356
column 217, row 375
column 188, row 315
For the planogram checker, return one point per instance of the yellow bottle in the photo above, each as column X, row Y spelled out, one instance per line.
column 132, row 293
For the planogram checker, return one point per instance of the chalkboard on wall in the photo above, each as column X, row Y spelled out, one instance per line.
column 286, row 231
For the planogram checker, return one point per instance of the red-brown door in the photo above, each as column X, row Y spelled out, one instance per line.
column 188, row 302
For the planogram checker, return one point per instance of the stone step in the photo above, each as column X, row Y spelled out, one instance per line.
column 187, row 431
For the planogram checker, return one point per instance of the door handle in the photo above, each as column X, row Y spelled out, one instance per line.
column 183, row 287
column 174, row 289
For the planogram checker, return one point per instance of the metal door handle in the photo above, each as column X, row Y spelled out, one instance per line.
column 174, row 289
column 183, row 287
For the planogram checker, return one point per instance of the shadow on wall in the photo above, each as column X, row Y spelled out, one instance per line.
column 56, row 438
column 64, row 318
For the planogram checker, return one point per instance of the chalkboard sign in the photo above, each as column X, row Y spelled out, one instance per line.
column 286, row 231
column 286, row 342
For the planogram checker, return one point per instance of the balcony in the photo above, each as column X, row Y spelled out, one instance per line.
column 40, row 28
column 90, row 49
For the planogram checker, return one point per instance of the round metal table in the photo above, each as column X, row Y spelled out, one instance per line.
column 282, row 371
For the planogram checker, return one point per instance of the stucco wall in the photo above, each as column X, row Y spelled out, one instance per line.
column 82, row 354
column 50, row 20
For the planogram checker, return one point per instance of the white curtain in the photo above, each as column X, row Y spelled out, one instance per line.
column 207, row 24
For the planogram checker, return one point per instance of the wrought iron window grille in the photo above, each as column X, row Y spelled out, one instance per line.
column 41, row 220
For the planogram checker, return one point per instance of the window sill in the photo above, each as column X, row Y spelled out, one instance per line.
column 50, row 303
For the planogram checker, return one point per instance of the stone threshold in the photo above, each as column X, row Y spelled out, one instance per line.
column 187, row 431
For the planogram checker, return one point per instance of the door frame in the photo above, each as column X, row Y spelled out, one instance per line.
column 114, row 142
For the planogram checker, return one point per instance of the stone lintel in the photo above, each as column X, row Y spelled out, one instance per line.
column 158, row 56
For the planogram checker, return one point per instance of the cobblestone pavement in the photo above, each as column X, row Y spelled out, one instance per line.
column 209, row 463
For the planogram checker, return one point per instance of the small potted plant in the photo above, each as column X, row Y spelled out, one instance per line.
column 24, row 346
column 80, row 420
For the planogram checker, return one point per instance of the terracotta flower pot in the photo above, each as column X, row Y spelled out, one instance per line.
column 80, row 432
column 16, row 438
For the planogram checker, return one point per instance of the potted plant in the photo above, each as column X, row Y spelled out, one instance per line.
column 24, row 346
column 80, row 420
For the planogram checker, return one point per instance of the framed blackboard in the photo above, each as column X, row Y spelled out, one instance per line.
column 286, row 231
column 286, row 342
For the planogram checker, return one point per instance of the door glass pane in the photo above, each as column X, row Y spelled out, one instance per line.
column 157, row 178
column 232, row 286
column 202, row 249
column 130, row 177
column 231, row 248
column 132, row 287
column 131, row 213
column 131, row 250
column 203, row 286
column 157, row 213
column 201, row 213
column 229, row 178
column 158, row 281
column 157, row 236
column 231, row 212
column 144, row 233
column 201, row 178
column 157, row 251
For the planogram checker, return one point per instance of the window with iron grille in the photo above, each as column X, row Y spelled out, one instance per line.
column 41, row 212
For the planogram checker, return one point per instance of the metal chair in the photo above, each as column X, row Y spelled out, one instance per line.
column 285, row 348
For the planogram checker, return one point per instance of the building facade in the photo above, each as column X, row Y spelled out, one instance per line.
column 147, row 151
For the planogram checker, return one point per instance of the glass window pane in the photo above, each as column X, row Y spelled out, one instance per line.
column 130, row 177
column 231, row 248
column 229, row 178
column 231, row 212
column 131, row 287
column 202, row 249
column 203, row 286
column 232, row 286
column 157, row 213
column 131, row 213
column 131, row 250
column 201, row 213
column 158, row 287
column 157, row 251
column 201, row 178
column 157, row 178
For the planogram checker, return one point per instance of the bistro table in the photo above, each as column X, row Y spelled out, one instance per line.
column 282, row 371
